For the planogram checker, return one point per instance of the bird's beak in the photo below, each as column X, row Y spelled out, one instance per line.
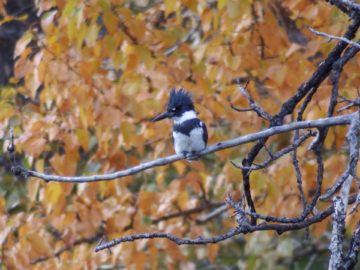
column 161, row 116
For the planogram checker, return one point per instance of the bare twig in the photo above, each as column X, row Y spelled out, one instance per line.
column 356, row 204
column 295, row 161
column 298, row 175
column 278, row 154
column 325, row 122
column 331, row 37
column 189, row 35
column 352, row 103
column 253, row 106
column 188, row 212
column 216, row 212
column 89, row 240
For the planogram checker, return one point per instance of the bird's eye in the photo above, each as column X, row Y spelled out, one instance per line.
column 173, row 109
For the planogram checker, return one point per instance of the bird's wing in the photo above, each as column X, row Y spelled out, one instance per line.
column 205, row 133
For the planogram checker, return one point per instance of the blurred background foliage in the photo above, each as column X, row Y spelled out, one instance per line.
column 89, row 75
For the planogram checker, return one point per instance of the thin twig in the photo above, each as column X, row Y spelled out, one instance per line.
column 187, row 212
column 278, row 154
column 253, row 106
column 88, row 240
column 331, row 37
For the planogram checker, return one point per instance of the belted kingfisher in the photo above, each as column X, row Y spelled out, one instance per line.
column 189, row 132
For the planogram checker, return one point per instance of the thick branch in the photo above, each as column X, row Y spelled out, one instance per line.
column 351, row 258
column 325, row 122
column 340, row 203
column 337, row 235
column 346, row 6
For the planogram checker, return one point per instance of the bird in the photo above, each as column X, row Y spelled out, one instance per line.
column 189, row 133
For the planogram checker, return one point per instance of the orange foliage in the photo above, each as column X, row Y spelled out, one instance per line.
column 105, row 70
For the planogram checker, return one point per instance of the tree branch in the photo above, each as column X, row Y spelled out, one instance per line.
column 346, row 6
column 278, row 154
column 331, row 37
column 325, row 122
column 187, row 212
column 340, row 203
column 351, row 258
column 253, row 106
column 244, row 229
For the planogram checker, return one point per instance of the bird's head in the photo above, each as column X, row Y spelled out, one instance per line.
column 179, row 104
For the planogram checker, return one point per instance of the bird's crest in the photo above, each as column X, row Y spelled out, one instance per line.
column 180, row 97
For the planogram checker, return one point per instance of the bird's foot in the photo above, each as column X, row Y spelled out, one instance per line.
column 190, row 155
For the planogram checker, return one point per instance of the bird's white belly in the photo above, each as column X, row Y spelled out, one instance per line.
column 192, row 143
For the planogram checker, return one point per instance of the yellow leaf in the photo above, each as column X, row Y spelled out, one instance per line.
column 180, row 167
column 141, row 258
column 39, row 165
column 132, row 62
column 110, row 117
column 81, row 33
column 32, row 187
column 39, row 245
column 92, row 35
column 170, row 6
column 47, row 21
column 2, row 205
column 277, row 73
column 88, row 68
column 53, row 192
column 22, row 43
column 213, row 250
column 111, row 22
column 145, row 56
column 6, row 110
column 34, row 146
column 117, row 160
column 71, row 27
column 221, row 4
column 147, row 200
column 83, row 138
column 183, row 199
column 64, row 164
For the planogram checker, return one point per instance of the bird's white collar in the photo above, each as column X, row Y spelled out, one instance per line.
column 184, row 117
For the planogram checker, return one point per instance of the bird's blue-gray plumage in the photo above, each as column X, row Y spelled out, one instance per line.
column 189, row 132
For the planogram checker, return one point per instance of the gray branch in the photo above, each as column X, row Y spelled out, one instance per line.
column 351, row 258
column 243, row 229
column 324, row 122
column 355, row 44
column 253, row 106
column 278, row 154
column 340, row 203
column 337, row 235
